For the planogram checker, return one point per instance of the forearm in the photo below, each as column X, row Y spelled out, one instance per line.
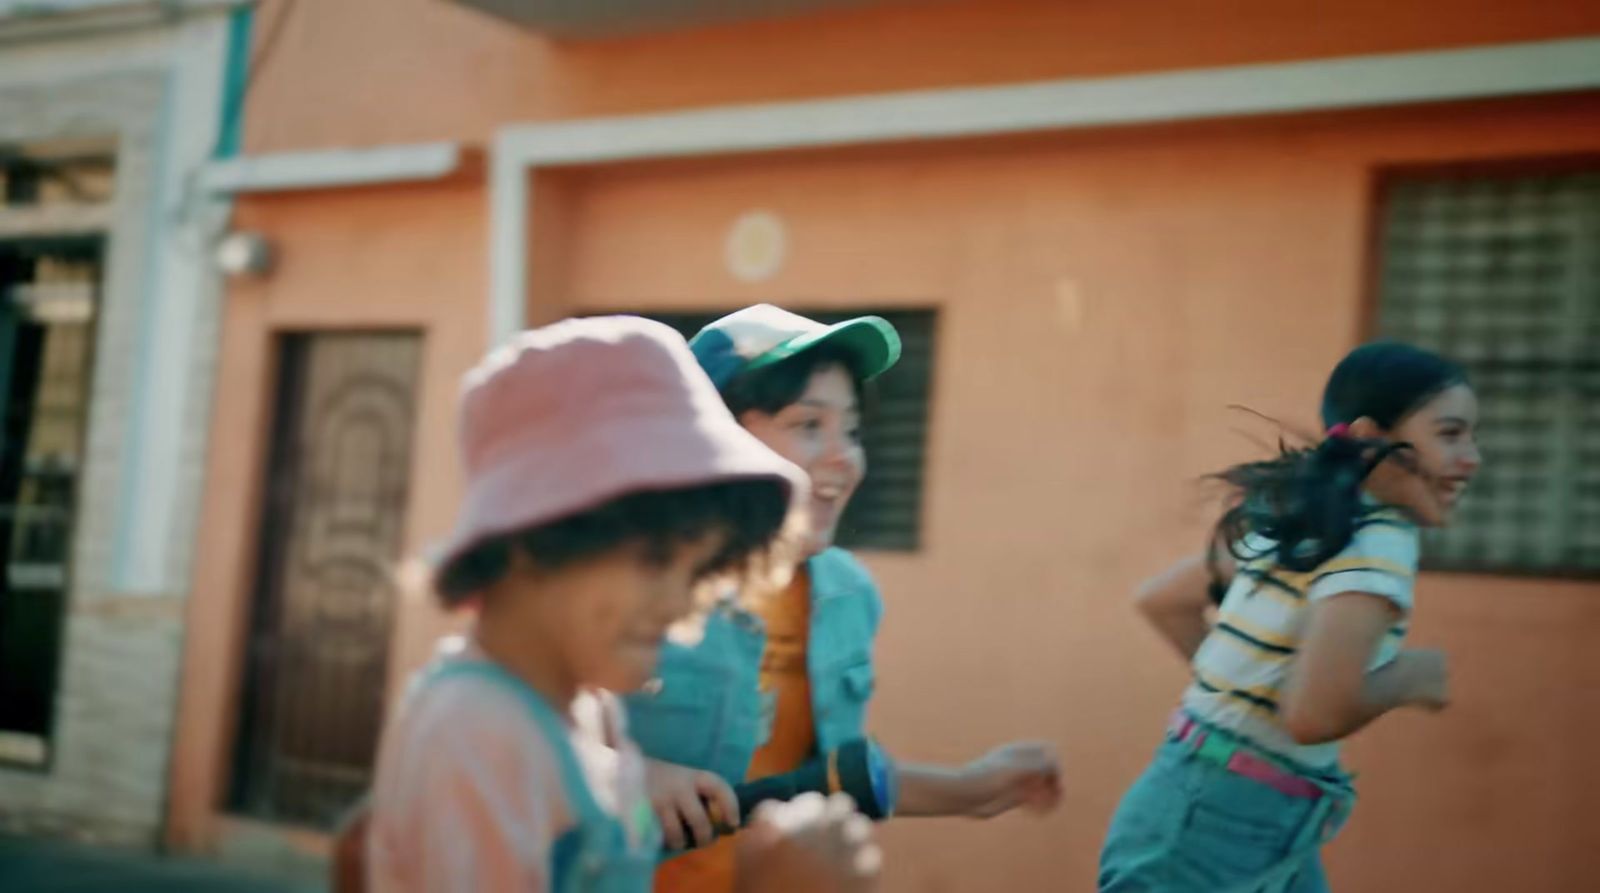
column 1183, row 630
column 927, row 790
column 1387, row 688
column 1177, row 603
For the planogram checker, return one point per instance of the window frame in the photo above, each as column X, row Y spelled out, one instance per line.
column 1383, row 184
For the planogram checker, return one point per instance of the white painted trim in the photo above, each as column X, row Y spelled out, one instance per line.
column 334, row 168
column 182, row 289
column 1275, row 88
column 510, row 196
column 1058, row 105
column 137, row 505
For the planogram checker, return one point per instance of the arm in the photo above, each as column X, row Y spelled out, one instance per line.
column 1017, row 774
column 1178, row 601
column 1026, row 774
column 1330, row 694
column 349, row 862
column 927, row 790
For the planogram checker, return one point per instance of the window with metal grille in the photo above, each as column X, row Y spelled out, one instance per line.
column 48, row 306
column 886, row 512
column 1501, row 272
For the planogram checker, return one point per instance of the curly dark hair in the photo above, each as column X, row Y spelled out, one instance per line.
column 749, row 513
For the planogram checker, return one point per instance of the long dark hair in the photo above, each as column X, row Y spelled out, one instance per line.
column 1307, row 500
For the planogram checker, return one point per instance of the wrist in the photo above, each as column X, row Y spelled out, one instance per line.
column 971, row 787
column 1413, row 679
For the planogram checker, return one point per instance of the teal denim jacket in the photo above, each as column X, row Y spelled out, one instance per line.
column 705, row 707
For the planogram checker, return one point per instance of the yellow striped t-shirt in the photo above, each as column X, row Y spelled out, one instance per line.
column 1244, row 662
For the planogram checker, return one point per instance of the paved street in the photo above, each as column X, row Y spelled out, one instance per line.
column 31, row 866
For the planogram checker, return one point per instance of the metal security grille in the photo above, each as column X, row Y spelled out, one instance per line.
column 335, row 511
column 1501, row 272
column 886, row 512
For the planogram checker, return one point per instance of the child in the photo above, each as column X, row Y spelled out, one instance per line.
column 766, row 690
column 605, row 484
column 1305, row 649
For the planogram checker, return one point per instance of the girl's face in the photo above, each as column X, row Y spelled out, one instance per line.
column 1444, row 459
column 821, row 433
column 607, row 616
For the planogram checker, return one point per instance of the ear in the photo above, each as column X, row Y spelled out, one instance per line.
column 1365, row 428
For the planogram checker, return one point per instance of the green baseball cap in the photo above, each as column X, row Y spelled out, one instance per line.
column 759, row 336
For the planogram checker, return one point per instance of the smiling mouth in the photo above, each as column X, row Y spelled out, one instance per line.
column 828, row 497
column 1450, row 489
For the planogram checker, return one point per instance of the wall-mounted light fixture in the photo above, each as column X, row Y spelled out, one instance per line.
column 244, row 254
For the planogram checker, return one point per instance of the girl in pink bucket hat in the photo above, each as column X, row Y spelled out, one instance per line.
column 607, row 485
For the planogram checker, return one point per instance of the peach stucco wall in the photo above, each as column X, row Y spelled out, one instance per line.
column 1103, row 296
column 1101, row 304
column 342, row 69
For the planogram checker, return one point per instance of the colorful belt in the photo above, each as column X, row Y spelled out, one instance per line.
column 1236, row 757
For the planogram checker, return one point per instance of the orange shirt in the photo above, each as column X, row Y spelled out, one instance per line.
column 786, row 692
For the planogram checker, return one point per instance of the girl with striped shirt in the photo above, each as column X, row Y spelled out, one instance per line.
column 1294, row 627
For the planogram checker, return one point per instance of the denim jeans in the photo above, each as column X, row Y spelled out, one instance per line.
column 1188, row 824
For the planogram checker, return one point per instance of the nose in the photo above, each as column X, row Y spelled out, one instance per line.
column 843, row 451
column 1472, row 459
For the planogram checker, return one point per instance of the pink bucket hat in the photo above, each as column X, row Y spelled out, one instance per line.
column 568, row 417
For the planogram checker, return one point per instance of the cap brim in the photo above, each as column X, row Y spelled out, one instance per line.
column 871, row 339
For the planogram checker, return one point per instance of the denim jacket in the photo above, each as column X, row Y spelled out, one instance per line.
column 705, row 707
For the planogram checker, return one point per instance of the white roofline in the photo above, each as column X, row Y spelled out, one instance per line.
column 1351, row 82
column 1274, row 88
column 334, row 168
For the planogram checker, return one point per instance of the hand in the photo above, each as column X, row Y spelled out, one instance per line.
column 679, row 795
column 1428, row 679
column 1022, row 773
column 808, row 845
